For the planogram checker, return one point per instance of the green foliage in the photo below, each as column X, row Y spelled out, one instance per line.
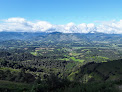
column 7, row 86
column 107, row 71
column 91, row 87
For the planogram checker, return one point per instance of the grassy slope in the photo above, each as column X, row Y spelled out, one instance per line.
column 106, row 71
column 7, row 86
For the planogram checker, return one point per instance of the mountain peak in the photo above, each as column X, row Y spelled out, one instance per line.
column 56, row 33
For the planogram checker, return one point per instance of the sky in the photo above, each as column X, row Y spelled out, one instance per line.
column 62, row 15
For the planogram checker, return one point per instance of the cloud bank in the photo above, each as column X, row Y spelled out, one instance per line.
column 23, row 25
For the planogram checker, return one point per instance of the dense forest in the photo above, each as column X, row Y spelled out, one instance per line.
column 60, row 62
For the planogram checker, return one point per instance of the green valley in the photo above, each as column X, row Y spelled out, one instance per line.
column 60, row 62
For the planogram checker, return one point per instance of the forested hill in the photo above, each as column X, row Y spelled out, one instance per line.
column 107, row 71
column 92, row 77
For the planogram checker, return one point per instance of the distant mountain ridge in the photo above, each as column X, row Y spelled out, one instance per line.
column 58, row 36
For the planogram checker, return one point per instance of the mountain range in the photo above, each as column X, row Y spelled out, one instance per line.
column 58, row 36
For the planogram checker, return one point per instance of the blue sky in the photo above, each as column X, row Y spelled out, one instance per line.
column 62, row 11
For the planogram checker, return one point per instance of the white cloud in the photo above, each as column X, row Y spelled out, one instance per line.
column 15, row 20
column 41, row 26
column 22, row 25
column 111, row 27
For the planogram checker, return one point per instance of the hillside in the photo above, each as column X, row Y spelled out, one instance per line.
column 61, row 62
